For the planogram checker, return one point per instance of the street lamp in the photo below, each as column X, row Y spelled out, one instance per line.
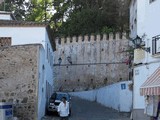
column 69, row 59
column 60, row 61
column 137, row 42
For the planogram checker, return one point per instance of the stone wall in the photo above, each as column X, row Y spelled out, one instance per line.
column 19, row 78
column 90, row 62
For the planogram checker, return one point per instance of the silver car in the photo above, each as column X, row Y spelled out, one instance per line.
column 55, row 100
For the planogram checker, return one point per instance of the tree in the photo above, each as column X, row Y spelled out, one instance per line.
column 74, row 17
column 32, row 10
column 18, row 7
column 39, row 11
column 90, row 16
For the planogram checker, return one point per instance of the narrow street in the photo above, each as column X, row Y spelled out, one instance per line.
column 85, row 110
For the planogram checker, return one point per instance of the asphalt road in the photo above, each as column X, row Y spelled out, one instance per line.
column 86, row 110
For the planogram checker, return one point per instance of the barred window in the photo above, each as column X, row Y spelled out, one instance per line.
column 156, row 45
column 5, row 41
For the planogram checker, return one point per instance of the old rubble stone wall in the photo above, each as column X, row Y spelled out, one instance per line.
column 96, row 61
column 18, row 79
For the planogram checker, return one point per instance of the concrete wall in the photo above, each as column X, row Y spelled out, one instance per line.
column 19, row 78
column 112, row 96
column 96, row 61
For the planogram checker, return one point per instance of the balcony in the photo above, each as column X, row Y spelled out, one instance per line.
column 156, row 46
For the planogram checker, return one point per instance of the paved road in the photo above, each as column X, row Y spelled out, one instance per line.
column 85, row 110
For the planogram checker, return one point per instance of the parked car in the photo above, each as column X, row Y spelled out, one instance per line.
column 55, row 100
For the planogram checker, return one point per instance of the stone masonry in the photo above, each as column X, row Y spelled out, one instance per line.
column 19, row 79
column 90, row 62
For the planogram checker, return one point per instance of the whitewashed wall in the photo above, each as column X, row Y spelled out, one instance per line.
column 139, row 79
column 41, row 85
column 152, row 26
column 148, row 24
column 110, row 96
column 24, row 35
column 141, row 74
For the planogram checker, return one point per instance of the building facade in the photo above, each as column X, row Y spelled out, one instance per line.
column 145, row 23
column 14, row 32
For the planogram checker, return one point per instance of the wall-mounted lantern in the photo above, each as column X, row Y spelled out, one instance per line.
column 137, row 42
column 60, row 61
column 69, row 59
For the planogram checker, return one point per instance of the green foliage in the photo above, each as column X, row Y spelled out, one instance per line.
column 107, row 30
column 15, row 6
column 74, row 17
column 90, row 16
column 38, row 10
column 33, row 10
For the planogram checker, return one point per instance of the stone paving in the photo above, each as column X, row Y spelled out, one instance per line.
column 85, row 110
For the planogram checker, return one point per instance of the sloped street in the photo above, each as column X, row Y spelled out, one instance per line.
column 85, row 110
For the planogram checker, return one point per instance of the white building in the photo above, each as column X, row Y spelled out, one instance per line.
column 20, row 33
column 144, row 22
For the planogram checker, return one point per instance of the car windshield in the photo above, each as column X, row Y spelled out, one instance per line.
column 59, row 96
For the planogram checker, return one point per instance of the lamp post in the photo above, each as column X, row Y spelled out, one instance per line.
column 137, row 42
column 69, row 59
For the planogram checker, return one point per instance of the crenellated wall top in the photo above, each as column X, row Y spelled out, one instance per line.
column 91, row 38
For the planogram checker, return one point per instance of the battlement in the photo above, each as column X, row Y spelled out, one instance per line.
column 93, row 58
column 91, row 38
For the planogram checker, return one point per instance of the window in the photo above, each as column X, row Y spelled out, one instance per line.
column 156, row 45
column 5, row 41
column 150, row 1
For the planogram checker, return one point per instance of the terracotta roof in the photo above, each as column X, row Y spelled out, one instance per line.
column 13, row 23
